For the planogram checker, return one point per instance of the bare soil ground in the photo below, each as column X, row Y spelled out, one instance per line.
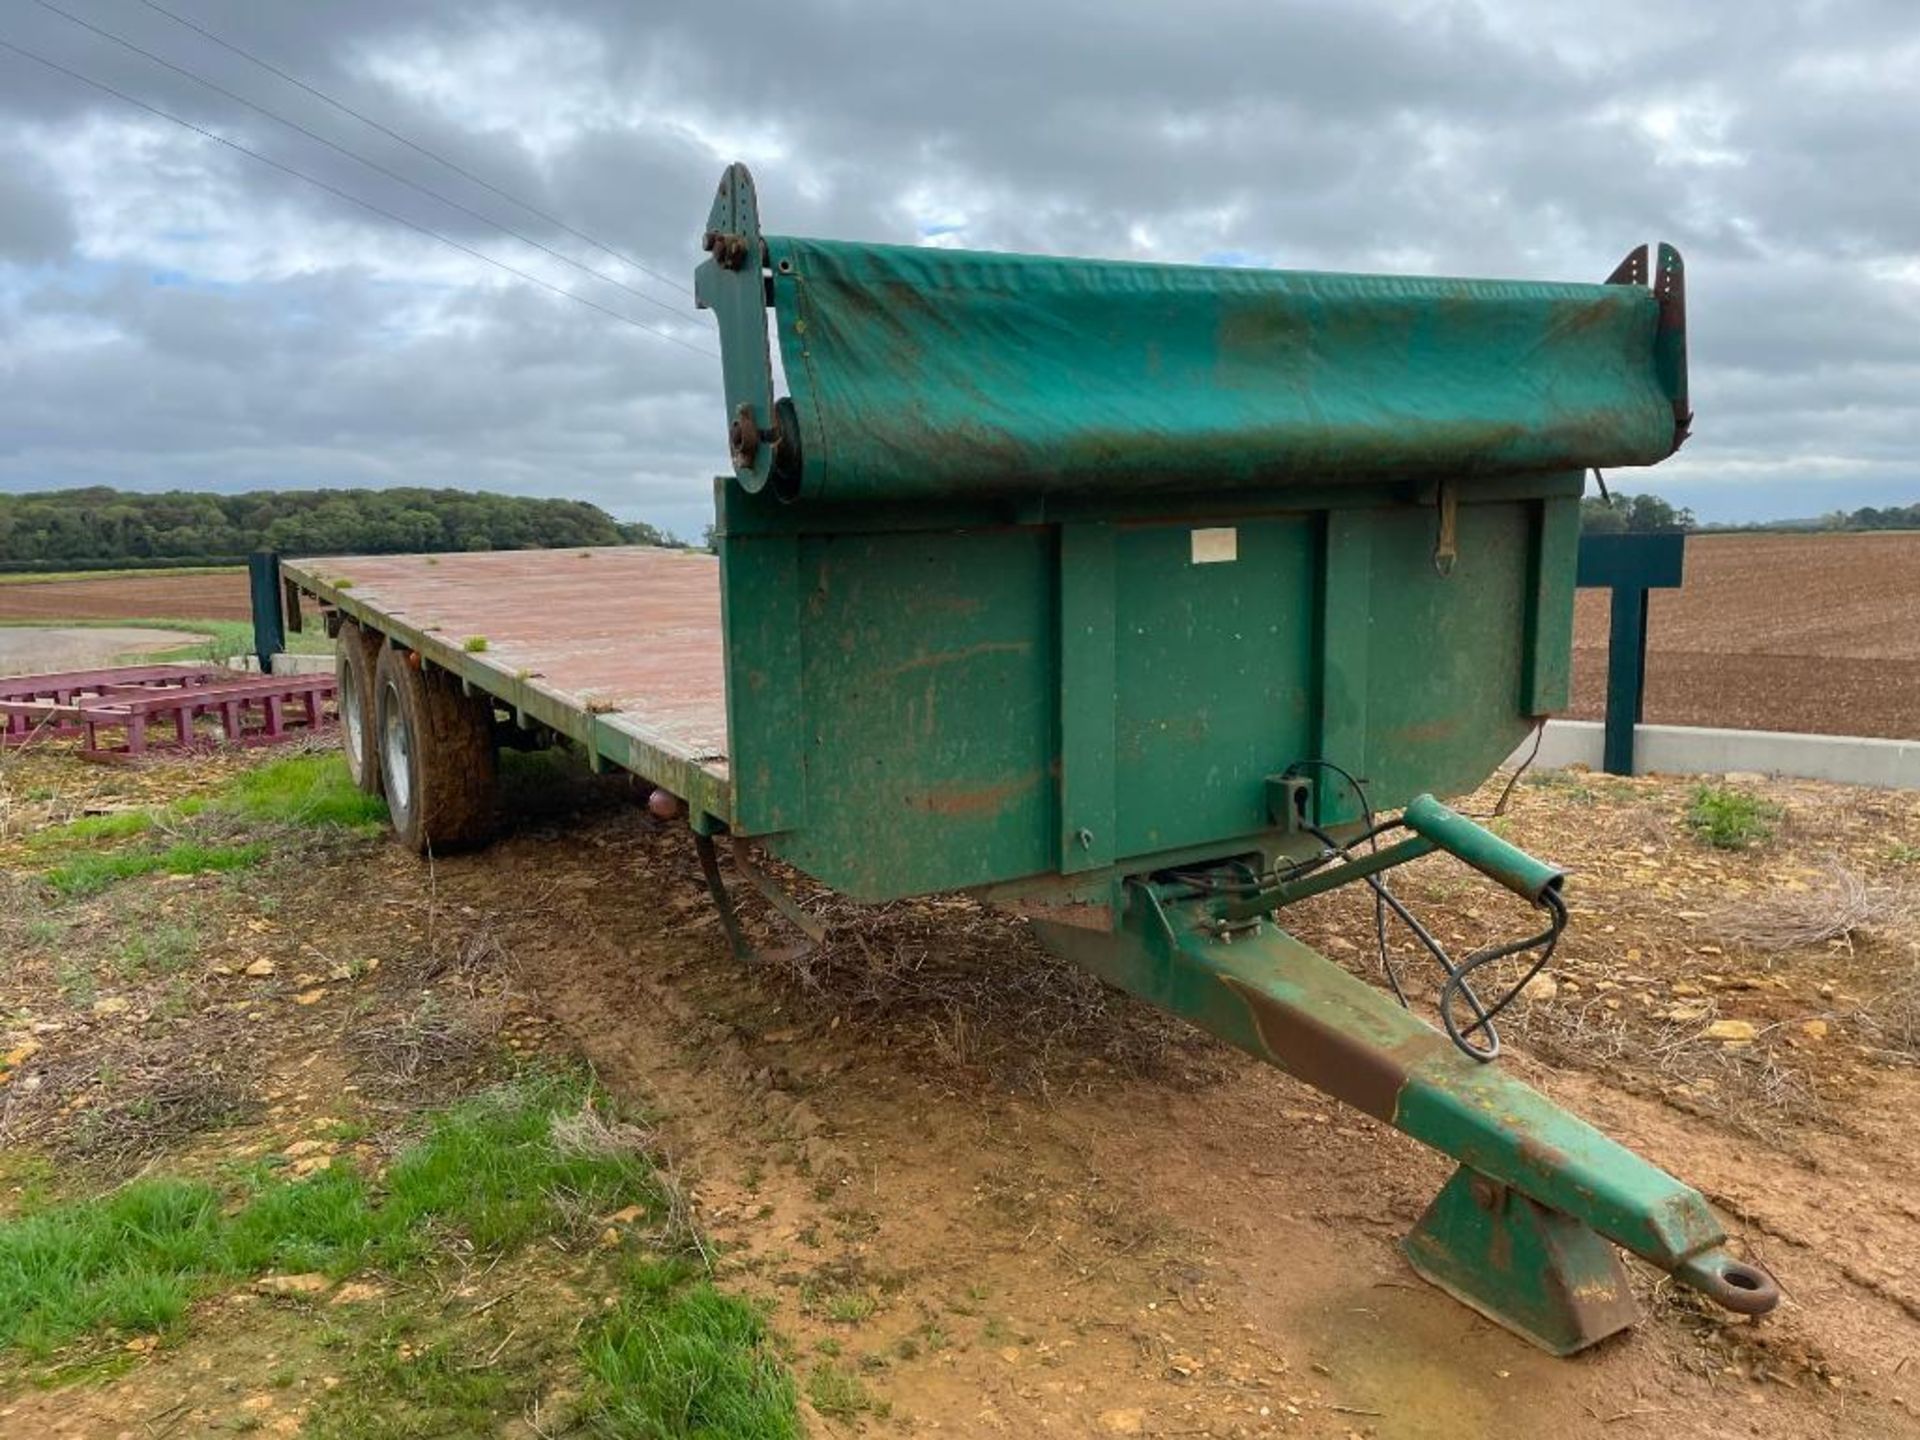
column 132, row 596
column 1011, row 1202
column 1811, row 633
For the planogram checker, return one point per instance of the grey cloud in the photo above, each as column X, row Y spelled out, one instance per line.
column 1772, row 143
column 35, row 224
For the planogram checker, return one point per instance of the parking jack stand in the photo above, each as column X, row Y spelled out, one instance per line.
column 1540, row 1273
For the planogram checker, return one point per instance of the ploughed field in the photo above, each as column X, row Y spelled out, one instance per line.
column 1813, row 633
column 128, row 595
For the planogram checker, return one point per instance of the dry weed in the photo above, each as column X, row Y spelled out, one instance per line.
column 590, row 1131
column 429, row 1048
column 1792, row 919
column 587, row 1131
column 1749, row 1088
column 123, row 1103
column 976, row 993
column 138, row 1125
column 1891, row 1020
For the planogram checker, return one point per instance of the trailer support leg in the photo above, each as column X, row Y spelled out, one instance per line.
column 1539, row 1272
column 703, row 846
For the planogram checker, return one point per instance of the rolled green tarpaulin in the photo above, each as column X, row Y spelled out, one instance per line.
column 919, row 373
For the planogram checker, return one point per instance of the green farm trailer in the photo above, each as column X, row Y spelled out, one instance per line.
column 1146, row 600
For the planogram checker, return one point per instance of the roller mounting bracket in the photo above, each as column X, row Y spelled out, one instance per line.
column 732, row 283
column 1666, row 276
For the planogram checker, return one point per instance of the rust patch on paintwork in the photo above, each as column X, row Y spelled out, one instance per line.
column 975, row 800
column 1431, row 732
column 1543, row 1158
column 1365, row 1076
column 956, row 657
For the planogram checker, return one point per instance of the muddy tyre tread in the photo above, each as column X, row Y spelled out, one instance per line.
column 454, row 761
column 356, row 654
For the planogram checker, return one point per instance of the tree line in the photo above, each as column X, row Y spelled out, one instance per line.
column 106, row 528
column 1632, row 515
column 1868, row 517
column 1649, row 514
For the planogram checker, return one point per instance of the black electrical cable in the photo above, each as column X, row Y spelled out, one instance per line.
column 354, row 155
column 1458, row 985
column 351, row 199
column 1378, row 886
column 1506, row 794
column 413, row 145
column 1457, row 981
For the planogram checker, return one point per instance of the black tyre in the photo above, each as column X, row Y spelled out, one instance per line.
column 356, row 651
column 436, row 755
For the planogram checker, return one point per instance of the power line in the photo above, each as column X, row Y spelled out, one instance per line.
column 413, row 145
column 375, row 166
column 351, row 199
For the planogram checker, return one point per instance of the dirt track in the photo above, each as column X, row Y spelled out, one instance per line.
column 1219, row 1257
column 1811, row 633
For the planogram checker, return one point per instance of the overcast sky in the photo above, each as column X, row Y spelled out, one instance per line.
column 173, row 313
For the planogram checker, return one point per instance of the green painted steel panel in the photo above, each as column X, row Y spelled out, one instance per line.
column 1448, row 658
column 1341, row 665
column 766, row 706
column 921, row 372
column 953, row 709
column 928, row 668
column 1087, row 657
column 1549, row 619
column 1213, row 676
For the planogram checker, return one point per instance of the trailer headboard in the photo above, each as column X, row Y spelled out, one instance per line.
column 1047, row 569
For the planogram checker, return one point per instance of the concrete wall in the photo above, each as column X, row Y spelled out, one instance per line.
column 1696, row 750
column 287, row 663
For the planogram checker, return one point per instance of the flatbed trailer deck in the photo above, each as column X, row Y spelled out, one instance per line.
column 618, row 649
column 1147, row 600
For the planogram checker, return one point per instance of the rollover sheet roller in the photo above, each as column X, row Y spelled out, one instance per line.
column 919, row 374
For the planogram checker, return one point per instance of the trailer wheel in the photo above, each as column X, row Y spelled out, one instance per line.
column 356, row 651
column 436, row 755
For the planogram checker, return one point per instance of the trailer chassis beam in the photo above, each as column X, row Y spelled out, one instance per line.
column 1521, row 1233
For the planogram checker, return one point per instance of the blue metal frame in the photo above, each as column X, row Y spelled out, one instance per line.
column 1629, row 566
column 269, row 620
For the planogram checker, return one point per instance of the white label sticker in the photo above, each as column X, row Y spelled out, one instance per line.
column 1211, row 547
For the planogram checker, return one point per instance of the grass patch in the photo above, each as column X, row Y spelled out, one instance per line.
column 474, row 644
column 1730, row 819
column 839, row 1394
column 675, row 1359
column 29, row 1182
column 94, row 829
column 407, row 1384
column 164, row 948
column 90, row 874
column 488, row 1171
column 302, row 790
